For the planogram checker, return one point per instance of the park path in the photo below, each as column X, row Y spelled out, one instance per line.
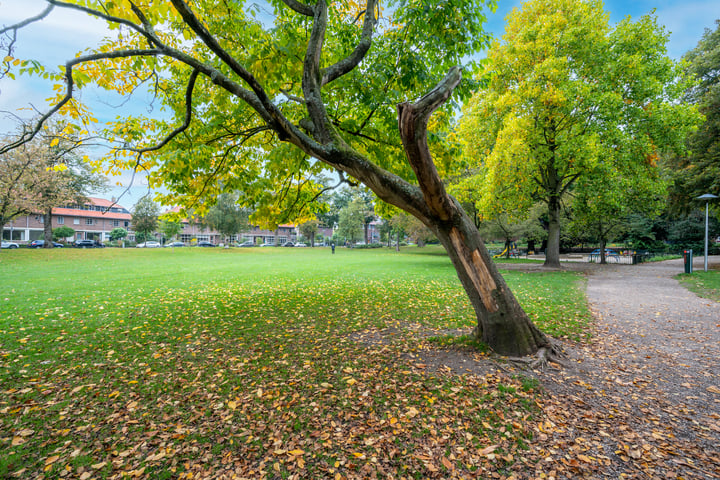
column 642, row 400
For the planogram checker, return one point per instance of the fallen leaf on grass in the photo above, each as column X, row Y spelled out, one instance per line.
column 488, row 450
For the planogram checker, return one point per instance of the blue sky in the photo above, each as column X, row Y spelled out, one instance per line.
column 63, row 34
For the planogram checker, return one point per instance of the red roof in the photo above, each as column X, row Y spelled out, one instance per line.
column 75, row 212
column 98, row 202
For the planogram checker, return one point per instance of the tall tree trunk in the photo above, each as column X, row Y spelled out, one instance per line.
column 552, row 251
column 603, row 256
column 47, row 228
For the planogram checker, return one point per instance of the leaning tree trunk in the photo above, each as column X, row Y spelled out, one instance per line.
column 502, row 323
column 47, row 229
column 552, row 251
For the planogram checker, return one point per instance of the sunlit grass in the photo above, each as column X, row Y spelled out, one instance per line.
column 705, row 284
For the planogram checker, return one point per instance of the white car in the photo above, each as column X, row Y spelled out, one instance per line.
column 9, row 244
column 149, row 245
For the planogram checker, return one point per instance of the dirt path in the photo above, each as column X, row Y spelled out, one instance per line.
column 644, row 397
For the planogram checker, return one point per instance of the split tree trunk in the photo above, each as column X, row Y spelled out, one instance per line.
column 502, row 323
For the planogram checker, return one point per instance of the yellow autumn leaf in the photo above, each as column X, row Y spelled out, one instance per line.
column 296, row 452
column 232, row 405
column 51, row 460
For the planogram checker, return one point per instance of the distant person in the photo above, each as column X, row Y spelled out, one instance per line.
column 332, row 246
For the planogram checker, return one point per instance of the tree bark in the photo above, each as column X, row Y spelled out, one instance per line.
column 552, row 251
column 47, row 228
column 502, row 323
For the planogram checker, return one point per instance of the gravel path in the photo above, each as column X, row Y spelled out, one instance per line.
column 648, row 387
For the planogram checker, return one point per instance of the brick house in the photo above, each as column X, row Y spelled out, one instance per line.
column 92, row 221
column 98, row 217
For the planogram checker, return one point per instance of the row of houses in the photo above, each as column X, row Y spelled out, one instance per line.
column 95, row 220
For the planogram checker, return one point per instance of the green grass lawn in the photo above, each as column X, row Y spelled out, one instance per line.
column 160, row 363
column 705, row 284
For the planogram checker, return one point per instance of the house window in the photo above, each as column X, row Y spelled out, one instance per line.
column 61, row 220
column 89, row 221
column 127, row 224
column 116, row 223
column 39, row 219
column 282, row 239
column 76, row 221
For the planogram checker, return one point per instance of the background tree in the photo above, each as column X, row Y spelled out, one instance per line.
column 170, row 228
column 309, row 229
column 698, row 173
column 270, row 109
column 64, row 232
column 351, row 223
column 118, row 233
column 566, row 93
column 46, row 173
column 226, row 216
column 21, row 176
column 145, row 218
column 606, row 197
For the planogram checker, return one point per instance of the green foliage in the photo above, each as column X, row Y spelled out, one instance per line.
column 573, row 104
column 226, row 216
column 63, row 232
column 696, row 173
column 145, row 218
column 351, row 222
column 170, row 228
column 118, row 233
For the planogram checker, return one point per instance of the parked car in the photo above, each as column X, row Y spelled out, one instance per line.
column 175, row 244
column 41, row 243
column 205, row 244
column 300, row 245
column 9, row 244
column 150, row 244
column 288, row 244
column 246, row 244
column 88, row 244
column 267, row 245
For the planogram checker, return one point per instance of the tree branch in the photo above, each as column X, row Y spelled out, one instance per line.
column 70, row 83
column 347, row 64
column 413, row 119
column 299, row 7
column 311, row 75
column 27, row 21
column 186, row 122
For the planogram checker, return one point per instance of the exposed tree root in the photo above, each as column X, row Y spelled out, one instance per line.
column 543, row 357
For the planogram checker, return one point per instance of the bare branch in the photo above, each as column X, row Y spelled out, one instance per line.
column 70, row 84
column 186, row 122
column 27, row 21
column 347, row 64
column 299, row 7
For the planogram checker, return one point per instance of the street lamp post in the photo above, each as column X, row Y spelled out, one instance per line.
column 707, row 197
